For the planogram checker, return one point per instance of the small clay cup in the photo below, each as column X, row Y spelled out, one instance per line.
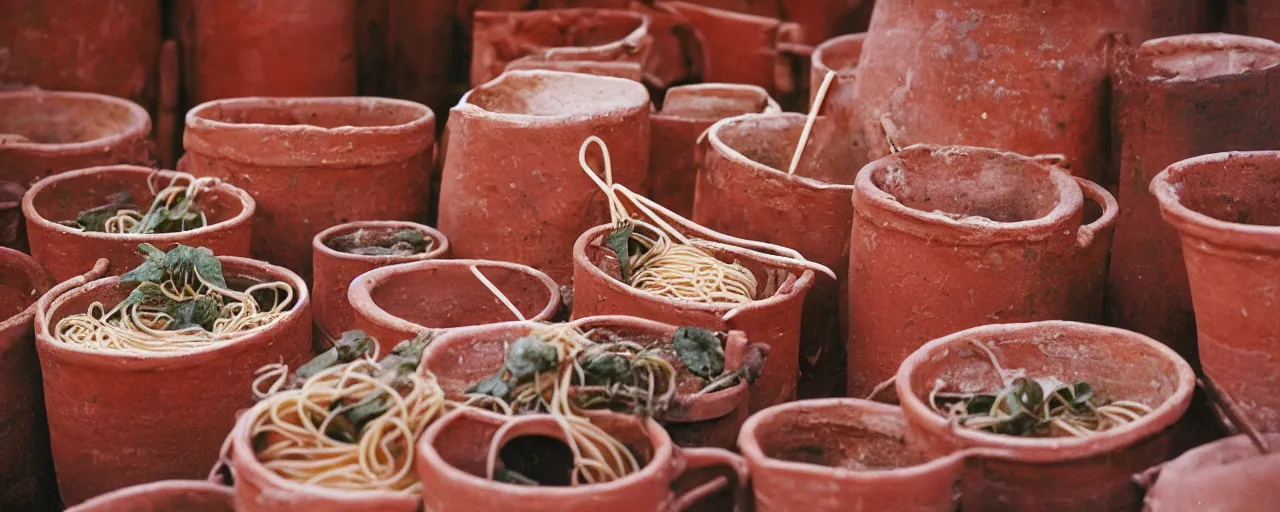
column 26, row 467
column 1228, row 474
column 505, row 40
column 164, row 496
column 67, row 252
column 46, row 132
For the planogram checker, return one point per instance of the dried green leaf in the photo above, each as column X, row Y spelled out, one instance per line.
column 148, row 272
column 145, row 295
column 1024, row 396
column 494, row 385
column 413, row 237
column 182, row 261
column 404, row 358
column 349, row 347
column 201, row 312
column 606, row 368
column 980, row 404
column 151, row 252
column 619, row 241
column 367, row 410
column 528, row 356
column 700, row 350
column 150, row 221
column 95, row 219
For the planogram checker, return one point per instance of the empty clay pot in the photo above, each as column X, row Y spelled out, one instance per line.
column 452, row 456
column 949, row 237
column 334, row 271
column 283, row 49
column 574, row 37
column 840, row 55
column 26, row 469
column 738, row 48
column 118, row 419
column 13, row 232
column 1228, row 474
column 1180, row 97
column 67, row 252
column 687, row 112
column 44, row 133
column 537, row 121
column 1065, row 473
column 399, row 302
column 313, row 163
column 1226, row 207
column 165, row 496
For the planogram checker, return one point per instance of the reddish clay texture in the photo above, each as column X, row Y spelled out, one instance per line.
column 314, row 163
column 563, row 36
column 422, row 52
column 334, row 271
column 13, row 232
column 738, row 48
column 946, row 238
column 399, row 302
column 1118, row 364
column 67, row 252
column 512, row 188
column 45, row 133
column 1180, row 97
column 462, row 357
column 1177, row 17
column 841, row 55
column 1258, row 18
column 452, row 456
column 687, row 112
column 1228, row 474
column 1226, row 207
column 164, row 496
column 1027, row 77
column 118, row 419
column 26, row 469
column 281, row 49
column 744, row 190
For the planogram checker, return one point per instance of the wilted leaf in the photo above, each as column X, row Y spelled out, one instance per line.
column 150, row 221
column 530, row 355
column 367, row 409
column 349, row 347
column 95, row 219
column 200, row 312
column 404, row 358
column 145, row 295
column 619, row 241
column 607, row 368
column 1025, row 395
column 493, row 385
column 980, row 404
column 413, row 237
column 151, row 253
column 1082, row 393
column 700, row 350
column 148, row 272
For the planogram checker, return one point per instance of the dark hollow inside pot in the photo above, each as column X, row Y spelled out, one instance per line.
column 1244, row 193
column 166, row 496
column 972, row 185
column 62, row 200
column 770, row 140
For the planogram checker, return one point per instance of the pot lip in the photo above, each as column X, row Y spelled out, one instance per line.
column 110, row 498
column 770, row 105
column 733, row 155
column 137, row 126
column 1190, row 223
column 818, row 59
column 38, row 277
column 115, row 360
column 1200, row 43
column 438, row 250
column 361, row 299
column 465, row 107
column 247, row 208
column 872, row 202
column 1046, row 449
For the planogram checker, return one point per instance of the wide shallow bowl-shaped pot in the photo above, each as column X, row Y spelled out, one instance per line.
column 1226, row 207
column 67, row 252
column 334, row 271
column 399, row 302
column 452, row 457
column 45, row 132
column 462, row 357
column 504, row 40
column 1228, row 474
column 118, row 419
column 165, row 496
column 26, row 469
column 1118, row 364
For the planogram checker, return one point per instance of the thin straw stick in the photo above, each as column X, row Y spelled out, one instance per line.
column 808, row 123
column 1229, row 409
column 496, row 292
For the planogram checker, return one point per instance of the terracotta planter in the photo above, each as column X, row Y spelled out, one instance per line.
column 67, row 252
column 271, row 49
column 687, row 112
column 334, row 271
column 949, row 237
column 537, row 120
column 396, row 303
column 738, row 48
column 166, row 496
column 1227, row 475
column 1180, row 97
column 26, row 469
column 13, row 232
column 574, row 37
column 462, row 357
column 63, row 131
column 314, row 163
column 108, row 425
column 1258, row 18
column 1119, row 364
column 841, row 55
column 452, row 454
column 1178, row 17
column 424, row 53
column 1226, row 207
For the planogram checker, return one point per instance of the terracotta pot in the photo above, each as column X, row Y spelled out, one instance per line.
column 452, row 457
column 841, row 55
column 109, row 427
column 537, row 120
column 399, row 302
column 1006, row 74
column 1096, row 470
column 1226, row 475
column 1178, row 17
column 1179, row 97
column 424, row 53
column 313, row 163
column 738, row 48
column 334, row 271
column 462, row 357
column 63, row 131
column 26, row 469
column 949, row 237
column 1259, row 18
column 556, row 35
column 67, row 252
column 1226, row 206
column 271, row 49
column 166, row 496
column 687, row 112
column 825, row 19
column 13, row 233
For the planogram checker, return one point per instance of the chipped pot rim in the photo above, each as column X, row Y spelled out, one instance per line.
column 733, row 155
column 818, row 59
column 630, row 90
column 438, row 249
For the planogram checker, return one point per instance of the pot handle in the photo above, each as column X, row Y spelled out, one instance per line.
column 42, row 305
column 698, row 458
column 1107, row 221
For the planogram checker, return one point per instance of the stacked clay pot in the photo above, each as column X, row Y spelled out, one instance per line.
column 26, row 469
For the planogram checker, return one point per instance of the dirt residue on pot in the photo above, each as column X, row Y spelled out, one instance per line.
column 820, row 441
column 382, row 242
column 1248, row 198
column 63, row 120
column 43, row 133
column 969, row 188
column 545, row 94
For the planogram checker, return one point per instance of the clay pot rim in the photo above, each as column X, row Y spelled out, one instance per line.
column 1197, row 44
column 1190, row 223
column 115, row 360
column 117, row 496
column 818, row 61
column 438, row 249
column 138, row 124
column 38, row 277
column 361, row 299
column 805, row 281
column 771, row 106
column 465, row 106
column 247, row 208
column 733, row 155
column 1045, row 449
column 632, row 38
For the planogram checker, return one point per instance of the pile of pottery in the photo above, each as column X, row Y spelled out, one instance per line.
column 859, row 255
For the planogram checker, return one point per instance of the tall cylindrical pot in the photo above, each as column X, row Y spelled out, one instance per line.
column 26, row 468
